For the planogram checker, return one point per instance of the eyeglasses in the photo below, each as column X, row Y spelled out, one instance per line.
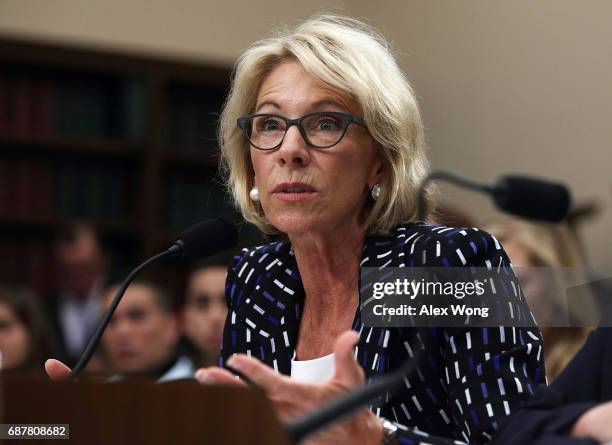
column 323, row 129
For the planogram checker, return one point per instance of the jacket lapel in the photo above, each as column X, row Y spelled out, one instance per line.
column 272, row 306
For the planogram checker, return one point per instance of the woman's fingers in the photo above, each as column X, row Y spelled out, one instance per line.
column 289, row 397
column 214, row 375
column 595, row 424
column 348, row 372
column 259, row 373
column 56, row 370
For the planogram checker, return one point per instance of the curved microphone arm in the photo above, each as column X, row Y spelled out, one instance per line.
column 448, row 177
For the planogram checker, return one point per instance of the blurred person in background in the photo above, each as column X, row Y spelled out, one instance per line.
column 205, row 311
column 542, row 245
column 576, row 408
column 81, row 273
column 142, row 338
column 25, row 339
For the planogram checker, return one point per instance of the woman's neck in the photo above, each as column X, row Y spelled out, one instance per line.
column 329, row 265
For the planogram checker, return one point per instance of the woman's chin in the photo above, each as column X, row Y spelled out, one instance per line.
column 296, row 224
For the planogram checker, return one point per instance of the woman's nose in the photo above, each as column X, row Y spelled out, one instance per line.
column 294, row 150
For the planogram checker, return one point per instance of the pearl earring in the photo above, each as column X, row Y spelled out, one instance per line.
column 375, row 192
column 254, row 193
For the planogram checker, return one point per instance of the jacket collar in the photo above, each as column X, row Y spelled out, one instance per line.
column 274, row 307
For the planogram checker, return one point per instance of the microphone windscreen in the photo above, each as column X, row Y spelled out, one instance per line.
column 532, row 198
column 207, row 238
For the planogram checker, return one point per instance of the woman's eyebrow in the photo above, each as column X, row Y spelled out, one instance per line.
column 267, row 102
column 315, row 106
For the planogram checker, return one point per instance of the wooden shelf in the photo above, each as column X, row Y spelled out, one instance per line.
column 48, row 226
column 191, row 158
column 103, row 147
column 76, row 57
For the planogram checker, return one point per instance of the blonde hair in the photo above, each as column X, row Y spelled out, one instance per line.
column 355, row 59
column 549, row 245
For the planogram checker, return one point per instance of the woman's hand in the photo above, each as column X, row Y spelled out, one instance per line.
column 292, row 399
column 56, row 370
column 595, row 424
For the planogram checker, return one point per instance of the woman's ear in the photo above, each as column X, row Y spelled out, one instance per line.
column 376, row 172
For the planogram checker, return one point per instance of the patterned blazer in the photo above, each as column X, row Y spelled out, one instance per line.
column 467, row 379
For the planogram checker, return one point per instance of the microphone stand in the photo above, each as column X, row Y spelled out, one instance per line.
column 522, row 196
column 449, row 177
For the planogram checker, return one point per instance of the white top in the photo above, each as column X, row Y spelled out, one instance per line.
column 183, row 368
column 79, row 317
column 318, row 371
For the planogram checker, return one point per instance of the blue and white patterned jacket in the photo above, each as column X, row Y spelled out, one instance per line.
column 467, row 379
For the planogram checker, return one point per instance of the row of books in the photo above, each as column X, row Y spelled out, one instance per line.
column 38, row 190
column 72, row 106
column 87, row 189
column 32, row 189
column 26, row 189
column 193, row 117
column 26, row 264
column 190, row 199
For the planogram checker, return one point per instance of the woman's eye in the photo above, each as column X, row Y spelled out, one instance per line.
column 328, row 124
column 270, row 125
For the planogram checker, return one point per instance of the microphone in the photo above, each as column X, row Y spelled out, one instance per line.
column 527, row 197
column 532, row 198
column 205, row 239
column 198, row 241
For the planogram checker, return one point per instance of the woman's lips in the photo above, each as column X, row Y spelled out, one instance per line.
column 292, row 196
column 292, row 192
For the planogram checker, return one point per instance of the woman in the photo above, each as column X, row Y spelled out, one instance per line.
column 532, row 246
column 328, row 153
column 576, row 408
column 25, row 340
column 341, row 187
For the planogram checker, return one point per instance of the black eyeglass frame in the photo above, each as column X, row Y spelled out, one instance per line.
column 347, row 119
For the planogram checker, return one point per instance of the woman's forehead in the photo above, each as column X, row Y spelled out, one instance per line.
column 289, row 85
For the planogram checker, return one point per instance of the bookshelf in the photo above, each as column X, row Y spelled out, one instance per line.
column 122, row 140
